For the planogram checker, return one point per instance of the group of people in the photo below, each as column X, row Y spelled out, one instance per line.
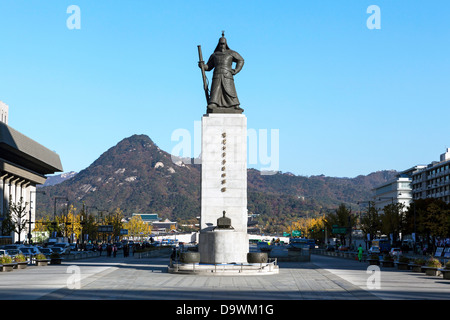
column 111, row 250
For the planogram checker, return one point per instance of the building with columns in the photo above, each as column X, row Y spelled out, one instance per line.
column 24, row 164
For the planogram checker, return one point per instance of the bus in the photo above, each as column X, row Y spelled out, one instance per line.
column 382, row 245
column 302, row 243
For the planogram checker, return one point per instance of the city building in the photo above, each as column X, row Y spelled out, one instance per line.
column 158, row 226
column 433, row 180
column 398, row 190
column 164, row 226
column 418, row 182
column 148, row 217
column 252, row 224
column 24, row 164
column 3, row 112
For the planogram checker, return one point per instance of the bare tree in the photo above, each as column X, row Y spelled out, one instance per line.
column 17, row 214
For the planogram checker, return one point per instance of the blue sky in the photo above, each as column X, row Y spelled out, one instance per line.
column 346, row 100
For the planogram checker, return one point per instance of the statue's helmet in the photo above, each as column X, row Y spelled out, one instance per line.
column 222, row 40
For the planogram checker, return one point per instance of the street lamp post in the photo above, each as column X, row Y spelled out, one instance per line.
column 54, row 210
column 369, row 203
column 29, row 221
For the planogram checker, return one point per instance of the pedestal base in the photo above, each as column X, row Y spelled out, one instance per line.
column 223, row 246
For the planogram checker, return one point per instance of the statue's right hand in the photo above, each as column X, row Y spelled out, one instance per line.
column 201, row 64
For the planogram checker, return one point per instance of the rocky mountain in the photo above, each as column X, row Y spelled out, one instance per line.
column 137, row 176
column 58, row 178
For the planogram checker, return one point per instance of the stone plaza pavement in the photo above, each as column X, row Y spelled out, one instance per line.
column 324, row 278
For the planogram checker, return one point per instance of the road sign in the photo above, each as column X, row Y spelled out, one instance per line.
column 107, row 228
column 296, row 233
column 339, row 230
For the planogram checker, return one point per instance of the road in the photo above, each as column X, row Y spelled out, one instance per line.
column 393, row 283
column 324, row 278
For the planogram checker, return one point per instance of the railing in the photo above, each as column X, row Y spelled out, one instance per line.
column 153, row 253
column 270, row 265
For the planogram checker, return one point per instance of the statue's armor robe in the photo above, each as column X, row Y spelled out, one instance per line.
column 223, row 91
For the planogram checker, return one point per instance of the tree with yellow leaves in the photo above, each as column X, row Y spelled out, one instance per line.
column 137, row 227
column 309, row 227
column 42, row 224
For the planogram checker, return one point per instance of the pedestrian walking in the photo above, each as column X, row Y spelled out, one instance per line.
column 108, row 250
column 360, row 253
column 114, row 251
column 100, row 249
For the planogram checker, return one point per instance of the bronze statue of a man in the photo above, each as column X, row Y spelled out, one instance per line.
column 223, row 97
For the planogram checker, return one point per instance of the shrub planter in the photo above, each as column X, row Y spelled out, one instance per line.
column 7, row 267
column 402, row 265
column 42, row 262
column 432, row 267
column 21, row 264
column 373, row 262
column 387, row 263
column 55, row 260
column 445, row 273
column 415, row 267
column 432, row 271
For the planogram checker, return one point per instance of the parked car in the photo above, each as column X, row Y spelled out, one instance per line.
column 58, row 250
column 46, row 251
column 34, row 249
column 29, row 251
column 61, row 248
column 13, row 252
column 395, row 252
column 13, row 246
column 4, row 252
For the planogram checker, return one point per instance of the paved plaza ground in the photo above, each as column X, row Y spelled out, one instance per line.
column 128, row 278
column 324, row 278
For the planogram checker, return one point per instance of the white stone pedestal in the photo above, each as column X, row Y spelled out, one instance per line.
column 223, row 246
column 224, row 188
